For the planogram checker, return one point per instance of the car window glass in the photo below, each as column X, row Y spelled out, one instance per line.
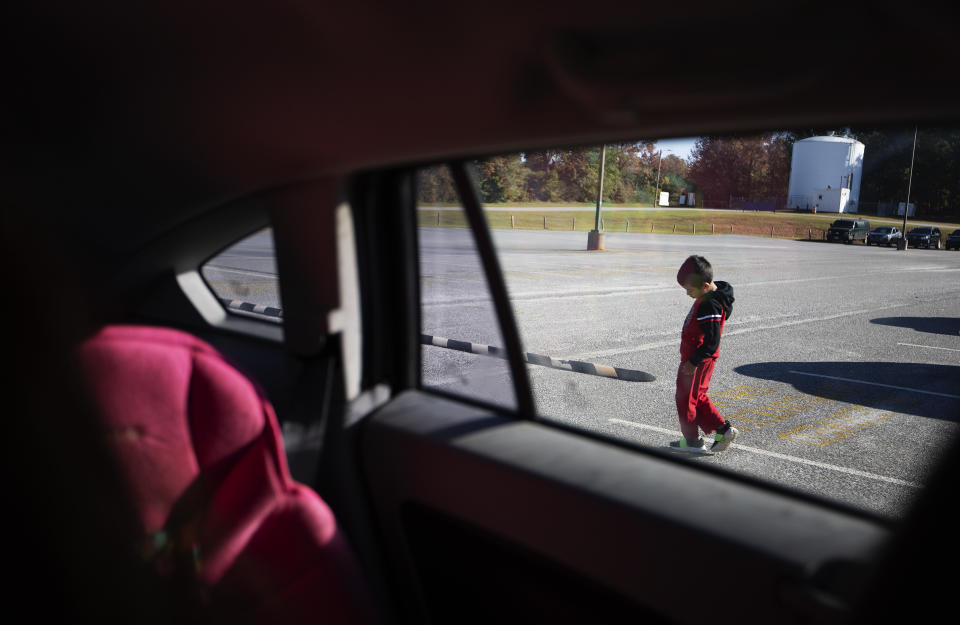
column 463, row 352
column 244, row 277
column 837, row 388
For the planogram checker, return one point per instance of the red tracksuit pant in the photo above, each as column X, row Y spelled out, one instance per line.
column 694, row 408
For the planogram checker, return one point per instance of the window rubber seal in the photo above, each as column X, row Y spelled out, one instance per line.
column 526, row 407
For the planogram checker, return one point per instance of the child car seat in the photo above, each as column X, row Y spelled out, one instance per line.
column 203, row 459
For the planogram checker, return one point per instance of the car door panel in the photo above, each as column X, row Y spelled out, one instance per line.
column 641, row 527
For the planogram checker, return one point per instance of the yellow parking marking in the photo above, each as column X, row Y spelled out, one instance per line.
column 814, row 422
column 829, row 430
column 776, row 411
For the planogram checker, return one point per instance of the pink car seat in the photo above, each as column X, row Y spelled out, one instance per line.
column 203, row 458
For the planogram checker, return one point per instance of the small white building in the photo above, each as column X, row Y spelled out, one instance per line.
column 826, row 172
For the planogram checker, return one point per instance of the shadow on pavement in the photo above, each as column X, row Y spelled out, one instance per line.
column 926, row 390
column 933, row 325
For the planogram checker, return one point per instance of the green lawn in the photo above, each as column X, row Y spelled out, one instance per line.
column 781, row 224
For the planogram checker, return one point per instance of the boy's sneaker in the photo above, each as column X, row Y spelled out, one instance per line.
column 724, row 437
column 685, row 444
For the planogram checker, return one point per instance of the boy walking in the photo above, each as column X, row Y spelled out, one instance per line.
column 699, row 348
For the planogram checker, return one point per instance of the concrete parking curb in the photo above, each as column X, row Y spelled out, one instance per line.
column 576, row 366
column 249, row 307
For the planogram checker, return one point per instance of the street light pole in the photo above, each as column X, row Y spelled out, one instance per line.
column 656, row 196
column 595, row 238
column 603, row 160
column 902, row 243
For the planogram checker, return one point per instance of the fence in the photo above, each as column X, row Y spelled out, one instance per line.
column 639, row 225
column 756, row 203
column 716, row 202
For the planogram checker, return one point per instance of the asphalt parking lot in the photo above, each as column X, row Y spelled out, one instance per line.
column 840, row 364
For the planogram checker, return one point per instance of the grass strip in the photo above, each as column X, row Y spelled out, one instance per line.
column 788, row 225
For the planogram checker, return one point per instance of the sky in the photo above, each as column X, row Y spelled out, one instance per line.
column 681, row 147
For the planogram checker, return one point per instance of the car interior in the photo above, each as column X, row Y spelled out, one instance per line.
column 172, row 457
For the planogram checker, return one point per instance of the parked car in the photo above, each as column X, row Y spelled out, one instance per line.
column 924, row 236
column 886, row 235
column 849, row 230
column 953, row 240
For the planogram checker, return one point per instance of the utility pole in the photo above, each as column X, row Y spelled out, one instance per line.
column 656, row 200
column 595, row 238
column 902, row 243
column 656, row 195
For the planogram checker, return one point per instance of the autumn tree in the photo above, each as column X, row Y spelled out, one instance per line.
column 435, row 186
column 751, row 167
column 502, row 179
column 636, row 176
column 674, row 175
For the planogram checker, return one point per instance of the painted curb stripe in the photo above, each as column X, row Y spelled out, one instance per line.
column 461, row 346
column 576, row 366
column 260, row 309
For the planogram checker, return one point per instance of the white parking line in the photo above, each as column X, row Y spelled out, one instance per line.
column 773, row 454
column 245, row 272
column 585, row 291
column 616, row 351
column 899, row 388
column 948, row 349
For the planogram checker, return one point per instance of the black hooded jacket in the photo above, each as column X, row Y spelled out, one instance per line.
column 700, row 338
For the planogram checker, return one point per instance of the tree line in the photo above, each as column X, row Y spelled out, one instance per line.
column 567, row 175
column 719, row 167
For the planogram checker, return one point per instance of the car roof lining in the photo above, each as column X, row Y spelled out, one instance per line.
column 260, row 97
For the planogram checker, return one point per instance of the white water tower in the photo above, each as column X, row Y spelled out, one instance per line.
column 826, row 172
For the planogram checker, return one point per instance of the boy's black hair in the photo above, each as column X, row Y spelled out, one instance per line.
column 695, row 266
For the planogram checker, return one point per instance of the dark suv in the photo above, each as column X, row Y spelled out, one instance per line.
column 848, row 230
column 924, row 236
column 886, row 235
column 953, row 240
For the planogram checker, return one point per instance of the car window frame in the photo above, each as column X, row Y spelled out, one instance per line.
column 240, row 313
column 474, row 209
column 524, row 405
